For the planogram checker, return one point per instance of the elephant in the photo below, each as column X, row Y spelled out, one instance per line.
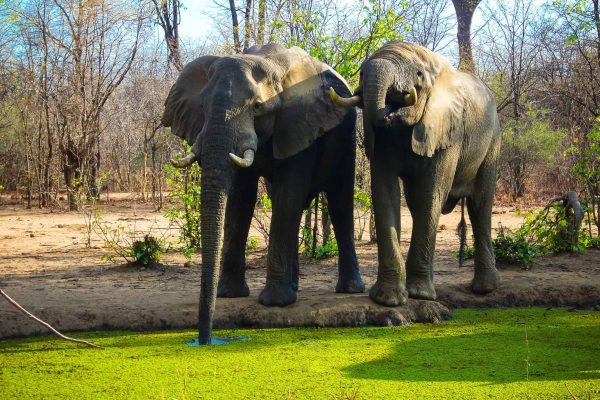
column 264, row 113
column 437, row 130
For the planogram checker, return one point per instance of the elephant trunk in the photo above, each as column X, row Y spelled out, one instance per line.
column 216, row 179
column 378, row 77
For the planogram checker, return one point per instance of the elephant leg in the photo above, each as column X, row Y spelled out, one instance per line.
column 425, row 209
column 290, row 188
column 479, row 206
column 389, row 290
column 238, row 216
column 340, row 198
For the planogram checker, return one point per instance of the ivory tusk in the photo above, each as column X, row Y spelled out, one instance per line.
column 243, row 162
column 410, row 99
column 344, row 101
column 185, row 161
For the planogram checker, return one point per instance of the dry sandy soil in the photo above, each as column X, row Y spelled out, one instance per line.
column 46, row 266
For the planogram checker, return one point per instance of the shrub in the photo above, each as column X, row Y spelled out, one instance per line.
column 587, row 170
column 513, row 248
column 147, row 252
column 542, row 232
column 262, row 216
column 328, row 249
column 126, row 244
column 185, row 184
column 252, row 244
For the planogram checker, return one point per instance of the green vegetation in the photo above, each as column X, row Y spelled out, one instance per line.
column 542, row 232
column 129, row 244
column 329, row 249
column 484, row 353
column 147, row 252
column 513, row 248
column 185, row 184
column 327, row 43
column 528, row 142
column 587, row 170
column 252, row 244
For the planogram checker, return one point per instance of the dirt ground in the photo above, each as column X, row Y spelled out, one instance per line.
column 46, row 266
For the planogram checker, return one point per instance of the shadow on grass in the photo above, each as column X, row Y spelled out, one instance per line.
column 502, row 356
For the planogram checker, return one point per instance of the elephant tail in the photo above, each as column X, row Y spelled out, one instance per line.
column 461, row 231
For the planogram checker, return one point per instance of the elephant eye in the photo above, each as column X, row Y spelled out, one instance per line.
column 258, row 106
column 419, row 74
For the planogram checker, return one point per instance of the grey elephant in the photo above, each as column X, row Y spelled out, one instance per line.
column 437, row 129
column 264, row 113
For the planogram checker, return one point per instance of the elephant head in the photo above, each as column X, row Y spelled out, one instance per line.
column 229, row 107
column 404, row 84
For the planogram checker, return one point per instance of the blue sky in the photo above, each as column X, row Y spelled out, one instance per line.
column 196, row 24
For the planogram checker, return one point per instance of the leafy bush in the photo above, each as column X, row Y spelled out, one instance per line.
column 542, row 232
column 328, row 249
column 185, row 184
column 252, row 244
column 147, row 252
column 469, row 253
column 587, row 169
column 513, row 248
column 262, row 216
column 125, row 243
column 363, row 206
column 528, row 143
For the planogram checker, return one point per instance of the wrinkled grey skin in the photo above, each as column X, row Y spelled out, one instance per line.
column 443, row 147
column 272, row 102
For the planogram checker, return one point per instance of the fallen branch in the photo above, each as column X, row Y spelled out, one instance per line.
column 47, row 325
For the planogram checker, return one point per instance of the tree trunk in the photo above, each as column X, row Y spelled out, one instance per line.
column 315, row 231
column 169, row 19
column 153, row 149
column 71, row 175
column 49, row 155
column 307, row 226
column 94, row 183
column 235, row 27
column 39, row 173
column 262, row 13
column 597, row 20
column 372, row 230
column 247, row 24
column 325, row 220
column 464, row 15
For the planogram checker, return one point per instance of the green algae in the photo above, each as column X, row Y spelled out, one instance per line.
column 482, row 353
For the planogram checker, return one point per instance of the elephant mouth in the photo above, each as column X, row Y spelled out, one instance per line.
column 399, row 105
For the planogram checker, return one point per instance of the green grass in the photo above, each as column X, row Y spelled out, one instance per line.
column 484, row 353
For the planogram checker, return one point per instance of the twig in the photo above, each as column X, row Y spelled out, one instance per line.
column 571, row 393
column 47, row 325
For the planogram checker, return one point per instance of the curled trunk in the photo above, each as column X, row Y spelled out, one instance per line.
column 380, row 78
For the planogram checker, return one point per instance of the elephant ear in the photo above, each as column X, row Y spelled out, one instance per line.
column 306, row 111
column 442, row 118
column 183, row 107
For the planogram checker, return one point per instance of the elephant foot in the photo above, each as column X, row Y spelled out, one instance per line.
column 277, row 295
column 233, row 289
column 420, row 288
column 485, row 280
column 350, row 284
column 390, row 295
